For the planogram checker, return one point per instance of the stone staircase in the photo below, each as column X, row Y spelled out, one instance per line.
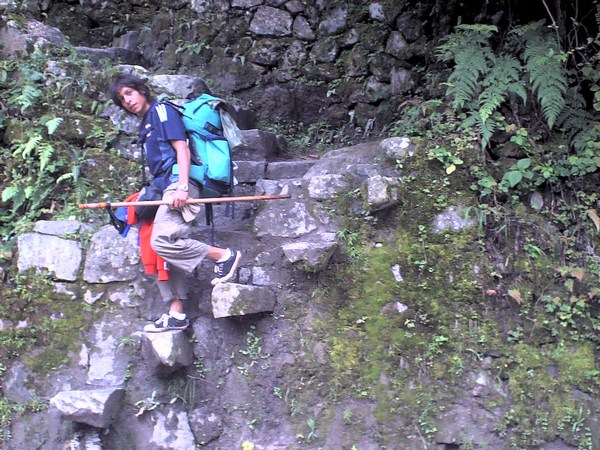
column 284, row 243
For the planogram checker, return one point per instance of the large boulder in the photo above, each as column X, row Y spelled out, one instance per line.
column 93, row 407
column 112, row 258
column 231, row 299
column 17, row 40
column 52, row 246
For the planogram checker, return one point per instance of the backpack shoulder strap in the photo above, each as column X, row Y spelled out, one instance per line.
column 176, row 107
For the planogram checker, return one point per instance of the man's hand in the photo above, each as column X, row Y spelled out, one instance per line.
column 179, row 198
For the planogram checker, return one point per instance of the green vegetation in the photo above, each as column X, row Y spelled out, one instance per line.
column 52, row 323
column 10, row 410
column 517, row 292
column 529, row 66
column 42, row 328
column 516, row 295
column 147, row 404
column 520, row 289
column 253, row 352
column 411, row 363
column 54, row 141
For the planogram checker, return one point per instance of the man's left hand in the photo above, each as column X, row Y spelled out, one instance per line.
column 179, row 199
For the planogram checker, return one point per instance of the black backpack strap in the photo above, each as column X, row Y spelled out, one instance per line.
column 230, row 188
column 175, row 106
column 141, row 141
column 208, row 211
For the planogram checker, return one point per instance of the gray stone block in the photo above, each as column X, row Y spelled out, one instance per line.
column 231, row 299
column 288, row 169
column 95, row 407
column 169, row 349
column 249, row 171
column 62, row 257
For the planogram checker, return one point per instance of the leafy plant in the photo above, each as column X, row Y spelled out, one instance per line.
column 253, row 348
column 46, row 99
column 544, row 63
column 147, row 404
column 446, row 157
column 193, row 47
column 516, row 90
column 518, row 172
column 352, row 240
column 484, row 79
column 312, row 429
column 469, row 49
column 184, row 388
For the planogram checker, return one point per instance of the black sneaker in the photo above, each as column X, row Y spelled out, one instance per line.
column 165, row 323
column 226, row 270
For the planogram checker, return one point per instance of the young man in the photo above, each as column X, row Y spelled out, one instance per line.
column 165, row 144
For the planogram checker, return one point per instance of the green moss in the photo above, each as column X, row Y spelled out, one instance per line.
column 404, row 361
column 542, row 403
column 53, row 324
column 460, row 319
column 239, row 307
column 578, row 368
column 344, row 354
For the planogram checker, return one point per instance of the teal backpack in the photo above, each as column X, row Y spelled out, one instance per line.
column 212, row 165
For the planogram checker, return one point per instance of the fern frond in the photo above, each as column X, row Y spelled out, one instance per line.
column 53, row 124
column 15, row 193
column 29, row 191
column 45, row 152
column 575, row 122
column 529, row 29
column 463, row 37
column 519, row 90
column 40, row 194
column 550, row 95
column 26, row 97
column 490, row 100
column 501, row 80
column 25, row 149
column 505, row 70
column 65, row 176
column 9, row 193
column 547, row 76
column 469, row 49
column 480, row 29
column 575, row 99
column 485, row 128
column 465, row 79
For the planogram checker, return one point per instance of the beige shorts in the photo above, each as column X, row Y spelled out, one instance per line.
column 171, row 233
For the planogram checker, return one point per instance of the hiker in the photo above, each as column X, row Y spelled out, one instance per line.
column 164, row 141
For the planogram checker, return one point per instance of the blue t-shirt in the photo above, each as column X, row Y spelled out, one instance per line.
column 161, row 125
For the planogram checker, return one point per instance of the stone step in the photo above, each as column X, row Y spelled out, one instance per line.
column 95, row 407
column 252, row 171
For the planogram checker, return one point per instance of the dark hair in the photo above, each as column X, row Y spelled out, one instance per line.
column 130, row 81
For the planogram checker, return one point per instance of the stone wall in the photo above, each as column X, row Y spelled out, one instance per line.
column 347, row 65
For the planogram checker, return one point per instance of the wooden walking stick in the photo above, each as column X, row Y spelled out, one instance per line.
column 191, row 201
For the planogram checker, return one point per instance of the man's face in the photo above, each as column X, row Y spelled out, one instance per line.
column 133, row 101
